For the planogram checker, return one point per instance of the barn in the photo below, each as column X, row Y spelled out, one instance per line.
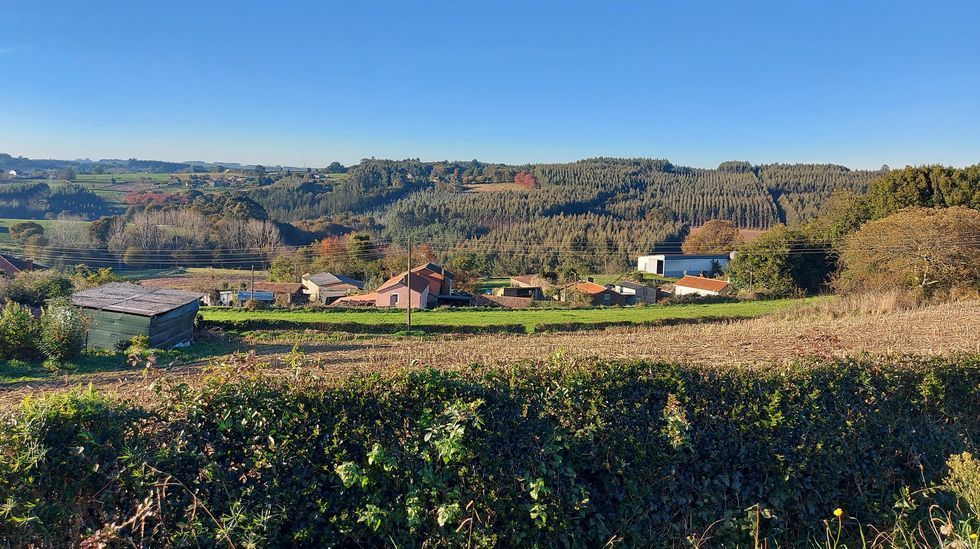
column 118, row 311
column 678, row 265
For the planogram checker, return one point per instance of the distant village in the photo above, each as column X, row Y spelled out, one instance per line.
column 164, row 309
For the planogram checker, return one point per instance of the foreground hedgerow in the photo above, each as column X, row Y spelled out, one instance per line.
column 638, row 453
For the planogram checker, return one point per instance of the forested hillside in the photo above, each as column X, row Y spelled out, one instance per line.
column 596, row 214
column 608, row 208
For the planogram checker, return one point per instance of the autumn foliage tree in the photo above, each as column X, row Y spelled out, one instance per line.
column 526, row 180
column 917, row 248
column 715, row 236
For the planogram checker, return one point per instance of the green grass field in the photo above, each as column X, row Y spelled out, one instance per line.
column 491, row 283
column 106, row 178
column 526, row 317
column 6, row 223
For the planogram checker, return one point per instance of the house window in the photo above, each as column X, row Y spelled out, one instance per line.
column 607, row 299
column 394, row 300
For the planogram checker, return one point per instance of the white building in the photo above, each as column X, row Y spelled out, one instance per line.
column 698, row 285
column 677, row 265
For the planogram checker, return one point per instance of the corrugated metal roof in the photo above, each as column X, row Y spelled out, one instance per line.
column 330, row 279
column 123, row 297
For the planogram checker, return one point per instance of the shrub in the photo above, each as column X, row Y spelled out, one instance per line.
column 19, row 333
column 781, row 262
column 62, row 332
column 64, row 466
column 544, row 455
column 255, row 305
column 37, row 287
column 964, row 480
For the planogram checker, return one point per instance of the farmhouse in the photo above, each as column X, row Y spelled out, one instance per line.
column 119, row 311
column 677, row 265
column 393, row 293
column 431, row 285
column 327, row 287
column 699, row 285
column 284, row 293
column 635, row 292
column 600, row 295
column 10, row 266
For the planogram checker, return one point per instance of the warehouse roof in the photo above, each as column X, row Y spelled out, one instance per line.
column 123, row 297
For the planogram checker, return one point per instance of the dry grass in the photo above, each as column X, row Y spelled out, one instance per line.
column 927, row 330
column 873, row 326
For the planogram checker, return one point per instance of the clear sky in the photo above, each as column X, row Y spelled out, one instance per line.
column 857, row 82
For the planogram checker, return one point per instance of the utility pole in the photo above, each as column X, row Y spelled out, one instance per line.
column 408, row 284
column 251, row 288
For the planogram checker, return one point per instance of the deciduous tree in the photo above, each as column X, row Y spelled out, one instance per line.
column 926, row 248
column 715, row 236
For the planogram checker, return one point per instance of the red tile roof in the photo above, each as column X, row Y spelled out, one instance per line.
column 357, row 300
column 702, row 283
column 419, row 282
column 418, row 273
column 590, row 288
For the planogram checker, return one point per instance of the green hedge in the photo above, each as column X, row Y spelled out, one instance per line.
column 637, row 453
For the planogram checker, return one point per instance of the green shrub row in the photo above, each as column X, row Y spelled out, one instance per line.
column 640, row 454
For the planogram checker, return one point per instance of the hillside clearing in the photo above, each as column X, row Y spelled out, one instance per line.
column 492, row 187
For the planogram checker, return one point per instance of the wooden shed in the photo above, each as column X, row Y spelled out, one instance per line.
column 119, row 311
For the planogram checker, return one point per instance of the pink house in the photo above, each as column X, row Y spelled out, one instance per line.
column 395, row 293
column 431, row 286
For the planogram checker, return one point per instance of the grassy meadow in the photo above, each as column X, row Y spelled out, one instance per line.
column 502, row 317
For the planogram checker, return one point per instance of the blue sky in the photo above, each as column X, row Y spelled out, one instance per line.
column 860, row 83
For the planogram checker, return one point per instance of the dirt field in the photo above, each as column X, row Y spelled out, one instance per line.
column 781, row 338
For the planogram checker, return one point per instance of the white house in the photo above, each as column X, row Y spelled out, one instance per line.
column 677, row 265
column 635, row 292
column 698, row 285
column 327, row 287
column 12, row 173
